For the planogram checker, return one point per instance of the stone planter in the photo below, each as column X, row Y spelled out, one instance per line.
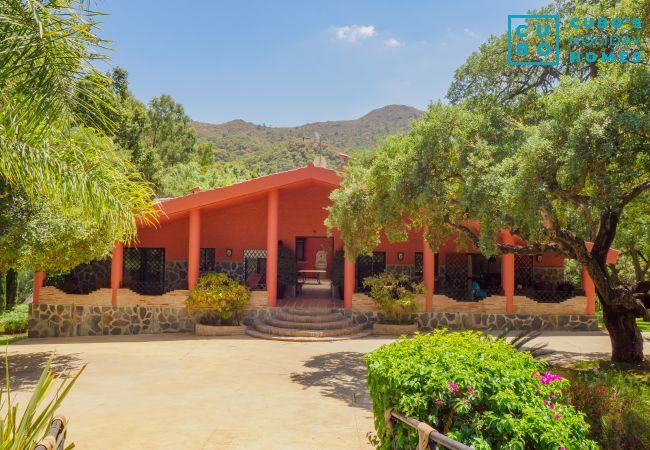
column 389, row 329
column 220, row 330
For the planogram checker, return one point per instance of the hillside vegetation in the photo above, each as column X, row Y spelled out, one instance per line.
column 238, row 138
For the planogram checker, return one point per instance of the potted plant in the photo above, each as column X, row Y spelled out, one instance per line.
column 222, row 301
column 287, row 270
column 338, row 263
column 394, row 296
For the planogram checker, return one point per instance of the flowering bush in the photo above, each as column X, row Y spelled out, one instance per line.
column 480, row 391
column 394, row 295
column 221, row 298
column 616, row 403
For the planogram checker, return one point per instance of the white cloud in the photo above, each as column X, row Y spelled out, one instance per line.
column 354, row 33
column 469, row 32
column 393, row 43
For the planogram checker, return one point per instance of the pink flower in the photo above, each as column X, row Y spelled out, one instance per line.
column 549, row 377
column 452, row 386
column 552, row 406
column 469, row 389
column 562, row 448
column 557, row 416
column 439, row 402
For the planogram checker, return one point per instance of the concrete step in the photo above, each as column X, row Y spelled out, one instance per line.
column 309, row 311
column 257, row 334
column 264, row 327
column 341, row 323
column 289, row 317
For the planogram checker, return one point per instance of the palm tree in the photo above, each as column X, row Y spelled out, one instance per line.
column 47, row 81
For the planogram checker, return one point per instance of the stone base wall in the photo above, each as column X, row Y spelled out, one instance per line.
column 46, row 320
column 175, row 274
column 476, row 321
column 69, row 320
column 401, row 269
column 86, row 278
column 234, row 269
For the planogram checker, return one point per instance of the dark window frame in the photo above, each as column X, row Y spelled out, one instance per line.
column 300, row 249
column 207, row 258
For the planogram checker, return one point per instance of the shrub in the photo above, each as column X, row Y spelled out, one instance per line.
column 338, row 262
column 394, row 295
column 616, row 401
column 221, row 298
column 287, row 266
column 16, row 320
column 477, row 390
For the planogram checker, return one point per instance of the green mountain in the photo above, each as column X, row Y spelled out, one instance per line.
column 286, row 147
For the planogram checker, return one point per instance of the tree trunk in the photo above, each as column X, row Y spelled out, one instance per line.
column 627, row 342
column 2, row 291
column 11, row 288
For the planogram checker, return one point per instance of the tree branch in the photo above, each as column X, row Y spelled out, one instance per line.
column 634, row 192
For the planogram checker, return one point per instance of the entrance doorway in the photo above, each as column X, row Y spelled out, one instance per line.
column 314, row 257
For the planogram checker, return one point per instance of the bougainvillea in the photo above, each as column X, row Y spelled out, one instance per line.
column 480, row 391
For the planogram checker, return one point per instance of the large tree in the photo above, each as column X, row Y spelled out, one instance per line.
column 48, row 151
column 555, row 162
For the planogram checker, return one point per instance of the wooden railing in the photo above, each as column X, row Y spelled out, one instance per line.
column 428, row 437
column 55, row 439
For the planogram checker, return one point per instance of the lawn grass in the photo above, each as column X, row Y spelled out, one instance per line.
column 8, row 339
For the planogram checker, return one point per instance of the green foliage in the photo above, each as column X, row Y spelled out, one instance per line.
column 394, row 295
column 338, row 268
column 24, row 427
column 477, row 390
column 47, row 148
column 556, row 160
column 616, row 402
column 170, row 132
column 16, row 320
column 48, row 236
column 221, row 298
column 180, row 178
column 287, row 266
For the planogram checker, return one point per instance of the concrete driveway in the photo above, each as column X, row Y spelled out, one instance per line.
column 183, row 392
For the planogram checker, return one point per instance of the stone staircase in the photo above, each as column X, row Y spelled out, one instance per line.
column 307, row 325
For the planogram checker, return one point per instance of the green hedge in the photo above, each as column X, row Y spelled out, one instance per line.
column 480, row 391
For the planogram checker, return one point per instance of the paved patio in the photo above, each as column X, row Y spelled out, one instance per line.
column 184, row 392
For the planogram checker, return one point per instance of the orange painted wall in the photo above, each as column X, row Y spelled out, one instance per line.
column 302, row 212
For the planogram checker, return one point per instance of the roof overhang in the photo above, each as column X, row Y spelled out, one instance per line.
column 175, row 208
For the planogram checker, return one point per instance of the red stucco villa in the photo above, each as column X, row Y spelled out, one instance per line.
column 236, row 229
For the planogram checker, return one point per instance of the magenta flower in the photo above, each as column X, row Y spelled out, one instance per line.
column 557, row 416
column 469, row 389
column 547, row 378
column 562, row 448
column 552, row 406
column 439, row 402
column 452, row 386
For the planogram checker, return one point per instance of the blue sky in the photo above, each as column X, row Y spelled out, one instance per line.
column 285, row 63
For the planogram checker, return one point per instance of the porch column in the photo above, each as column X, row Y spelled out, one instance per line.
column 508, row 274
column 590, row 292
column 39, row 279
column 272, row 247
column 349, row 269
column 428, row 272
column 117, row 261
column 194, row 249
